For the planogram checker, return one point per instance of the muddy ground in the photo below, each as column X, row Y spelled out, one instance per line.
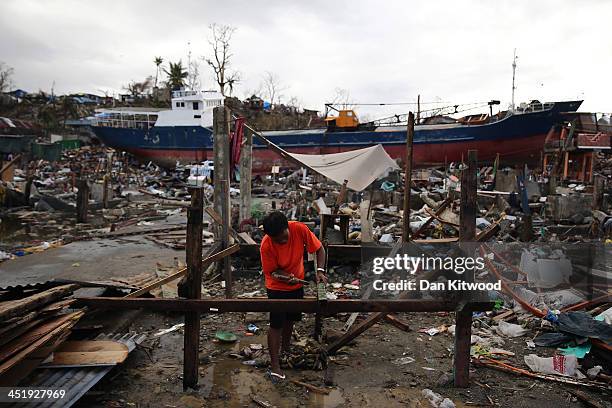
column 364, row 373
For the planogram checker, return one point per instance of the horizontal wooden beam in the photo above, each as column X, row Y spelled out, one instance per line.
column 309, row 305
column 205, row 263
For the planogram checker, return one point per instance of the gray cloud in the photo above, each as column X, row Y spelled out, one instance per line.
column 386, row 51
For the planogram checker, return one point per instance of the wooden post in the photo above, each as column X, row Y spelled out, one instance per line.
column 408, row 177
column 246, row 167
column 105, row 192
column 598, row 189
column 467, row 233
column 82, row 201
column 193, row 251
column 226, row 209
column 467, row 215
column 222, row 205
column 221, row 151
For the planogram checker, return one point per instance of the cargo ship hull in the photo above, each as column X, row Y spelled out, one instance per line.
column 516, row 138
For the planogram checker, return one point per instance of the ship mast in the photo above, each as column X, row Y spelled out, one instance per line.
column 513, row 76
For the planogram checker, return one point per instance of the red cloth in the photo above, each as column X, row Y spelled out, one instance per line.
column 289, row 256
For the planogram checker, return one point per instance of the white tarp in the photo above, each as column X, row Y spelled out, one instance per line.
column 360, row 167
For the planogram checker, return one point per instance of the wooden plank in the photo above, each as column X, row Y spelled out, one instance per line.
column 12, row 308
column 89, row 353
column 59, row 327
column 205, row 263
column 306, row 305
column 247, row 238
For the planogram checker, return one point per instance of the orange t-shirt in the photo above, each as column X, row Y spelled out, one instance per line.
column 289, row 256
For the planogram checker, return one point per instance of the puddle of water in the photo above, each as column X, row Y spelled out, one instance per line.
column 14, row 232
column 242, row 382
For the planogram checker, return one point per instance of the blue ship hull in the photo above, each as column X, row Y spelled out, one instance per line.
column 516, row 137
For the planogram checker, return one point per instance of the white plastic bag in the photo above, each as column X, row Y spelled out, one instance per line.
column 559, row 364
column 510, row 329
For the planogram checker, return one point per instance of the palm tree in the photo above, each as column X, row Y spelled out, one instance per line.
column 176, row 75
column 157, row 61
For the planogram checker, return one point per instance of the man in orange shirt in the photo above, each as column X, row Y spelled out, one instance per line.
column 282, row 259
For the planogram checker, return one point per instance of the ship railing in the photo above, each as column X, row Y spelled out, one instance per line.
column 180, row 94
column 122, row 123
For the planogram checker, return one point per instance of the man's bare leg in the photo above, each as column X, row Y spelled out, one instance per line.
column 287, row 332
column 274, row 343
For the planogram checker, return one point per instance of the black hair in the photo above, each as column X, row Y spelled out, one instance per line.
column 275, row 223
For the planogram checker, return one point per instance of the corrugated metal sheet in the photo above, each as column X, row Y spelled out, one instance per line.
column 76, row 381
column 31, row 286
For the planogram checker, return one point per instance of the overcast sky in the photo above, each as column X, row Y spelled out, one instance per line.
column 380, row 51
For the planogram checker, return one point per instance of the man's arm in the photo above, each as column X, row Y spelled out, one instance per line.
column 321, row 267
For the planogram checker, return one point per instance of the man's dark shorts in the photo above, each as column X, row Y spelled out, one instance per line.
column 277, row 319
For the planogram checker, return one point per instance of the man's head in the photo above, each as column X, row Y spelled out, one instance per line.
column 276, row 226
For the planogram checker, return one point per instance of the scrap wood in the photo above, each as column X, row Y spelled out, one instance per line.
column 127, row 233
column 489, row 231
column 65, row 324
column 261, row 402
column 439, row 219
column 498, row 365
column 400, row 324
column 586, row 399
column 503, row 316
column 16, row 322
column 10, row 164
column 15, row 330
column 205, row 262
column 12, row 308
column 88, row 353
column 310, row 387
column 31, row 336
column 438, row 212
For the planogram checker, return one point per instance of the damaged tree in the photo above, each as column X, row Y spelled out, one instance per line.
column 220, row 62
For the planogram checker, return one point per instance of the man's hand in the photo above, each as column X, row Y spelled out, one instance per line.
column 320, row 276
